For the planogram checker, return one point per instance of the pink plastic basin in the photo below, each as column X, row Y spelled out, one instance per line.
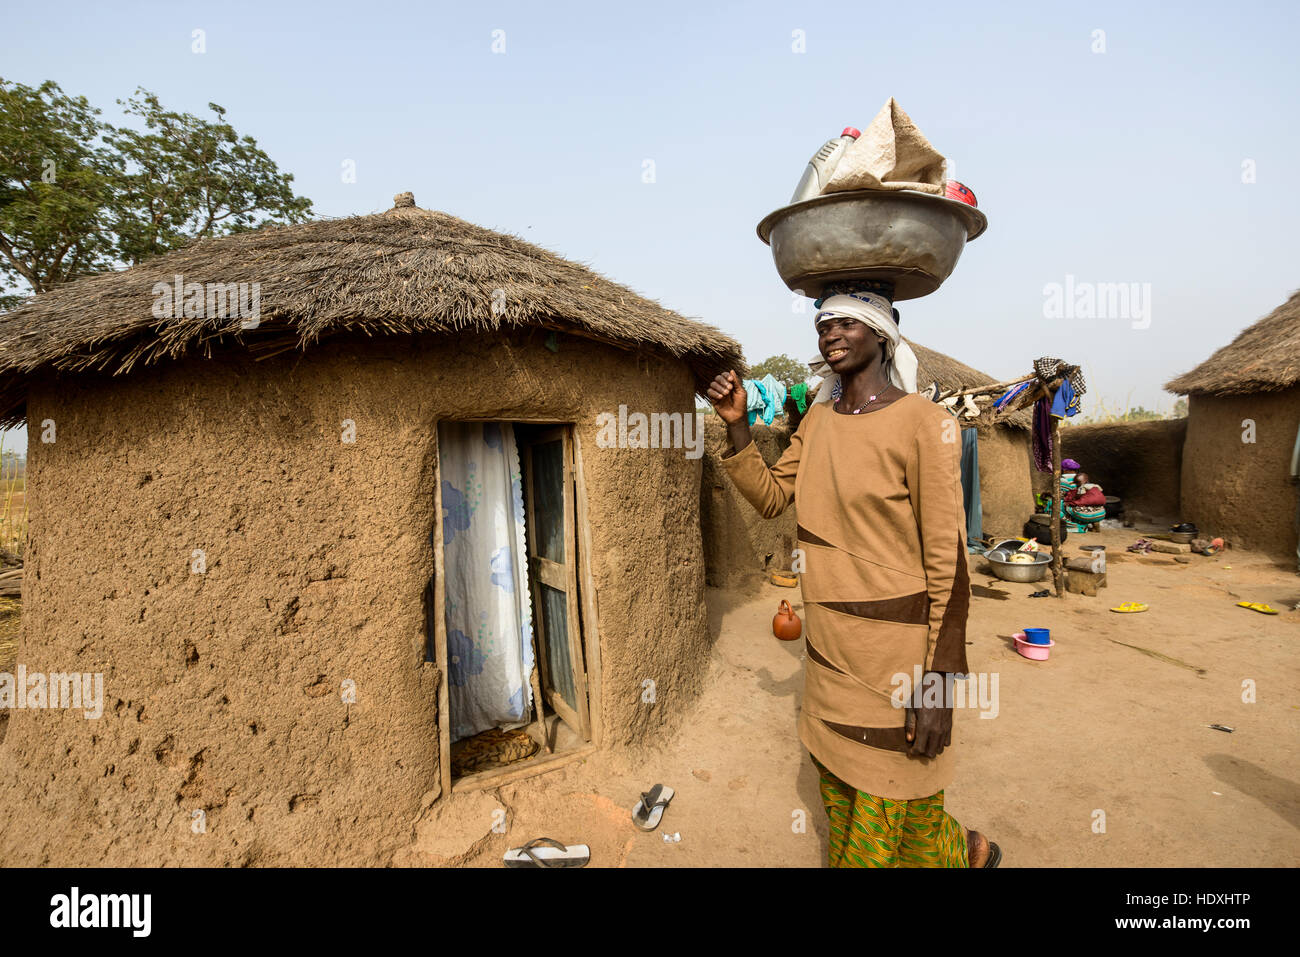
column 1032, row 651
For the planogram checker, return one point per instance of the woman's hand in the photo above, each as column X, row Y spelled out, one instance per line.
column 728, row 397
column 929, row 726
column 730, row 402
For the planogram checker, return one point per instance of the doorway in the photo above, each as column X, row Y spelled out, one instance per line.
column 508, row 624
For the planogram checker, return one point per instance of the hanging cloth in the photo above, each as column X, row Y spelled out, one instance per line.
column 1065, row 402
column 488, row 608
column 764, row 397
column 1042, row 435
column 1011, row 393
column 1047, row 368
column 970, row 489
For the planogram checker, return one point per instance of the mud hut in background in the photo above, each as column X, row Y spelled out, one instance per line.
column 1243, row 408
column 732, row 528
column 238, row 523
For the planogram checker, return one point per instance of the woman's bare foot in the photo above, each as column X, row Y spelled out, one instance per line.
column 977, row 849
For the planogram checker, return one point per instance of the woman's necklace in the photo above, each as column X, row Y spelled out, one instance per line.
column 863, row 406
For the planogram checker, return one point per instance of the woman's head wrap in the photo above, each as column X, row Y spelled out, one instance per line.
column 876, row 312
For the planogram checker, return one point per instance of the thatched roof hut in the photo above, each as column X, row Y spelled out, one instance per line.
column 255, row 532
column 1243, row 403
column 1265, row 357
column 405, row 271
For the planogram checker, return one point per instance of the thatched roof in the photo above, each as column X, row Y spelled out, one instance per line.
column 405, row 271
column 1263, row 358
column 953, row 376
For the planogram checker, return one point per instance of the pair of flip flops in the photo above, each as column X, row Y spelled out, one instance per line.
column 649, row 811
column 548, row 852
column 1257, row 606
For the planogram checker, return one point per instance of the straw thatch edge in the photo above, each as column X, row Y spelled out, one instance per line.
column 406, row 271
column 1264, row 357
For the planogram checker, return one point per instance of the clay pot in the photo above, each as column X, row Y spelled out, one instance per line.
column 786, row 624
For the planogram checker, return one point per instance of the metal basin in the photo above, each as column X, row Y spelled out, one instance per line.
column 1025, row 572
column 911, row 239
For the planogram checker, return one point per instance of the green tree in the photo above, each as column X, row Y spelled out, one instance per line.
column 1140, row 414
column 56, row 188
column 78, row 196
column 785, row 370
column 186, row 178
column 1180, row 408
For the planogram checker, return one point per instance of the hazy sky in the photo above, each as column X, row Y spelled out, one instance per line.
column 1132, row 165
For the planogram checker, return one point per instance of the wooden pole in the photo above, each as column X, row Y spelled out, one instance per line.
column 1058, row 578
column 992, row 387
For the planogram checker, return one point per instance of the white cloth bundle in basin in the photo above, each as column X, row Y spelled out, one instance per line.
column 891, row 153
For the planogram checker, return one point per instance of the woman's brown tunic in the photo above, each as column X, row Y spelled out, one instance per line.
column 885, row 582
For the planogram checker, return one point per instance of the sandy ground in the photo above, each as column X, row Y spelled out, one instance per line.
column 1100, row 756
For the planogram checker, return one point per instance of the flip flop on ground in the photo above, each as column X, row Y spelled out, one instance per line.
column 1257, row 606
column 1130, row 608
column 547, row 852
column 649, row 811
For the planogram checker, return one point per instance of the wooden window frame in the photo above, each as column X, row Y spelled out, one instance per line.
column 543, row 571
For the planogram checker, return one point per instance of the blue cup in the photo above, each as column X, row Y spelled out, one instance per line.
column 1039, row 636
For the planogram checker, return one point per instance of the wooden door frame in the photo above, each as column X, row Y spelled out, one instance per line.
column 590, row 610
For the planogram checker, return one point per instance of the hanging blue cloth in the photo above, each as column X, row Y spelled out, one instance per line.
column 1011, row 393
column 970, row 489
column 1065, row 402
column 765, row 397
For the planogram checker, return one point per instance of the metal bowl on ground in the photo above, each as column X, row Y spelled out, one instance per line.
column 910, row 239
column 1181, row 538
column 1026, row 572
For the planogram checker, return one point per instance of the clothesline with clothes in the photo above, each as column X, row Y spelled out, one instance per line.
column 1053, row 389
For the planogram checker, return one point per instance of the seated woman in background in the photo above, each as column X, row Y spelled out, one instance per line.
column 1085, row 504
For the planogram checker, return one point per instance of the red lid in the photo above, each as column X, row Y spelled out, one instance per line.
column 850, row 131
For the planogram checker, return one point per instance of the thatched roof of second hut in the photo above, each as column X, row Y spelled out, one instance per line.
column 1264, row 357
column 404, row 271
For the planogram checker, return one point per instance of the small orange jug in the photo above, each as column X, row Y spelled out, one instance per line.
column 786, row 624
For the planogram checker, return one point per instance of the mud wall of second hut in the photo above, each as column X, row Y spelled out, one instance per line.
column 740, row 546
column 203, row 536
column 1006, row 497
column 1236, row 464
column 1138, row 461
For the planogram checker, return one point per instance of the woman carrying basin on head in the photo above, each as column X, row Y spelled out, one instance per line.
column 875, row 469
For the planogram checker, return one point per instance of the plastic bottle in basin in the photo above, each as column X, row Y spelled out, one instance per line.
column 822, row 164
